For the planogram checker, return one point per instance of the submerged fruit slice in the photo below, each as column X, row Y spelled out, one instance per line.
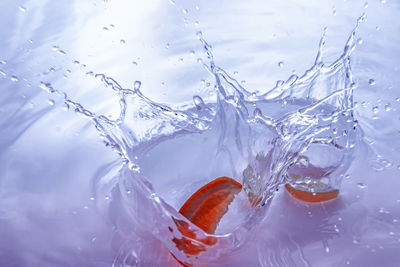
column 204, row 208
column 311, row 197
column 208, row 205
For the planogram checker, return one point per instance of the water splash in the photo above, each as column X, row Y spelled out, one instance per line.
column 252, row 137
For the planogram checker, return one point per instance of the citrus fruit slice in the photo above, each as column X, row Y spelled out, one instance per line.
column 311, row 197
column 208, row 205
column 204, row 208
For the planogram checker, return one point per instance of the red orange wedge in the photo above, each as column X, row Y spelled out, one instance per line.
column 207, row 205
column 311, row 197
column 205, row 208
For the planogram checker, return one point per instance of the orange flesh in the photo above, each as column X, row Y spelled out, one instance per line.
column 204, row 208
column 208, row 205
column 310, row 197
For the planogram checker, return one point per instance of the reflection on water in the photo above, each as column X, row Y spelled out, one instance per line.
column 61, row 197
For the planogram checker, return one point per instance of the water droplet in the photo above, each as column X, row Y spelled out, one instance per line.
column 86, row 207
column 184, row 11
column 383, row 1
column 371, row 82
column 22, row 8
column 280, row 64
column 91, row 198
column 47, row 87
column 360, row 41
column 192, row 53
column 172, row 2
column 391, row 233
column 3, row 73
column 366, row 5
column 14, row 78
column 167, row 46
column 327, row 249
column 375, row 109
column 3, row 62
column 134, row 63
column 122, row 41
column 347, row 262
column 383, row 210
column 51, row 102
column 243, row 82
column 105, row 28
column 137, row 85
column 199, row 34
column 180, row 60
column 361, row 185
column 387, row 107
column 334, row 12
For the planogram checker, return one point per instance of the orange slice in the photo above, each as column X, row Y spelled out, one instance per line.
column 208, row 205
column 205, row 208
column 311, row 197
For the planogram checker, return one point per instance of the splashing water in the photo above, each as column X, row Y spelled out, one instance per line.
column 304, row 132
column 252, row 137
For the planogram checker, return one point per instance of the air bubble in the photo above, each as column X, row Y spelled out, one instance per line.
column 375, row 109
column 14, row 78
column 280, row 64
column 184, row 11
